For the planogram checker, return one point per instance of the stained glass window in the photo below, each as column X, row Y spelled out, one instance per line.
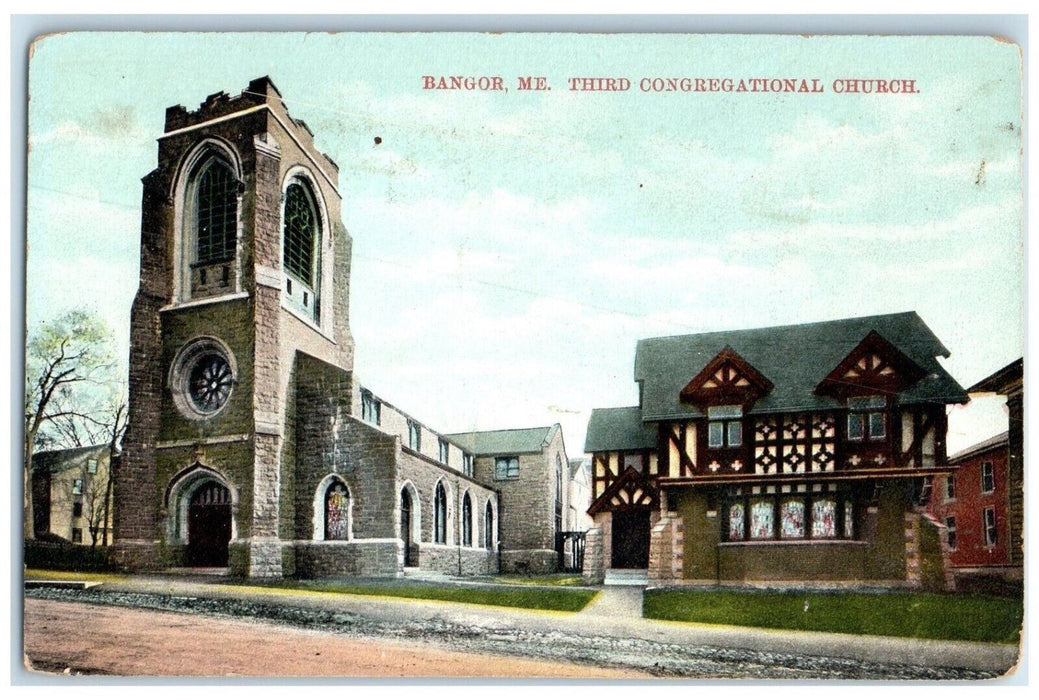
column 336, row 512
column 824, row 518
column 762, row 525
column 300, row 233
column 792, row 518
column 216, row 214
column 736, row 521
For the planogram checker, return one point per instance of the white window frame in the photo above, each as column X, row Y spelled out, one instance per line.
column 988, row 521
column 988, row 474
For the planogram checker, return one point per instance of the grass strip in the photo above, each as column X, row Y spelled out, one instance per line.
column 963, row 617
column 559, row 599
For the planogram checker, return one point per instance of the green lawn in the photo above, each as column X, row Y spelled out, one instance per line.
column 922, row 615
column 559, row 598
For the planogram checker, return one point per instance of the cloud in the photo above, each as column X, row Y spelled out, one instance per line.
column 98, row 130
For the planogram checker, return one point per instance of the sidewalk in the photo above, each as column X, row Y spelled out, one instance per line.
column 611, row 615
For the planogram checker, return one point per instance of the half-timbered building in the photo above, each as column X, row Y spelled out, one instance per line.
column 795, row 453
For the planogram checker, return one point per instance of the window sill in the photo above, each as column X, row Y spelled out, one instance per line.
column 192, row 303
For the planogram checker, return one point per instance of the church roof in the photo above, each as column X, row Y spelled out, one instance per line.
column 794, row 358
column 498, row 442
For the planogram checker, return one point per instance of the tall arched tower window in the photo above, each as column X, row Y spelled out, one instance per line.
column 216, row 213
column 440, row 515
column 337, row 511
column 467, row 521
column 208, row 195
column 301, row 238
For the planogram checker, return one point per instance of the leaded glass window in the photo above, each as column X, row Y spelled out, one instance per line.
column 337, row 502
column 824, row 518
column 762, row 525
column 792, row 519
column 849, row 520
column 300, row 233
column 216, row 214
column 736, row 524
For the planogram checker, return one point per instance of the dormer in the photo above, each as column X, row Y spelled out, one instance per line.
column 727, row 379
column 874, row 367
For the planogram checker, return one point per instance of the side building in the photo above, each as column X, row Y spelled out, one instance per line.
column 529, row 469
column 797, row 453
column 72, row 495
column 246, row 446
column 973, row 506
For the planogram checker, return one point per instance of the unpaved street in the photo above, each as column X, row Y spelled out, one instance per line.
column 479, row 638
column 131, row 642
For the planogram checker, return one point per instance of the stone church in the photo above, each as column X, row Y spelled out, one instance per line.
column 251, row 445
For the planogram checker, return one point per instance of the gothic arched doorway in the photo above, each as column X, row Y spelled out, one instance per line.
column 209, row 525
column 405, row 527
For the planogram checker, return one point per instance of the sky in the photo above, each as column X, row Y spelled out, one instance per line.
column 510, row 248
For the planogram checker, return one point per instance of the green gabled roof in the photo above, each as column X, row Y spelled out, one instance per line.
column 499, row 442
column 794, row 358
column 614, row 429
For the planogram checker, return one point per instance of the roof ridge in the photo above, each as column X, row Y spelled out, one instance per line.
column 783, row 327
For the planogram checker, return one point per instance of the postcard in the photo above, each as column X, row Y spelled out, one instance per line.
column 513, row 355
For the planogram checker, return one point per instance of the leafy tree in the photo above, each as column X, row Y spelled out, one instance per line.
column 69, row 364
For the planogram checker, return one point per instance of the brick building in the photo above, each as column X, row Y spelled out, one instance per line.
column 973, row 505
column 71, row 495
column 787, row 454
column 250, row 443
column 982, row 504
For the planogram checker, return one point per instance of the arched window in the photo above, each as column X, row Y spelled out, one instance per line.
column 488, row 526
column 559, row 493
column 467, row 521
column 301, row 235
column 337, row 512
column 440, row 515
column 216, row 213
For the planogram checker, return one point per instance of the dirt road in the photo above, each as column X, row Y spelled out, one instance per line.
column 126, row 641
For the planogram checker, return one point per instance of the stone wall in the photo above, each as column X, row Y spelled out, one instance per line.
column 528, row 532
column 456, row 560
column 320, row 559
column 594, row 563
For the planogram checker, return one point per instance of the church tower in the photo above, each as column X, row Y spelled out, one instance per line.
column 244, row 262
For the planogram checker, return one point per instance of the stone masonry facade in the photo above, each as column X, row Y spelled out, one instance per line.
column 248, row 445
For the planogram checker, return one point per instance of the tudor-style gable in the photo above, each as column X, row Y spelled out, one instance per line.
column 873, row 367
column 631, row 490
column 726, row 379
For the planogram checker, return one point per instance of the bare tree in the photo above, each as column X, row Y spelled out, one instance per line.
column 66, row 358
